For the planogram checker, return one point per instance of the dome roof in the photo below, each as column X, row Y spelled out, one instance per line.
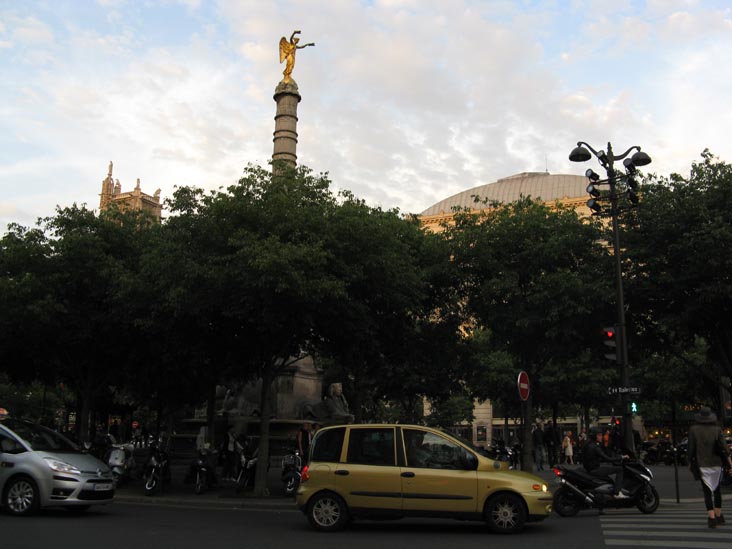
column 539, row 185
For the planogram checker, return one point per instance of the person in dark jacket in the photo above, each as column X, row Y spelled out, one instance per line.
column 707, row 448
column 600, row 464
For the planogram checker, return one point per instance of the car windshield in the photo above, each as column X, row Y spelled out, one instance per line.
column 40, row 438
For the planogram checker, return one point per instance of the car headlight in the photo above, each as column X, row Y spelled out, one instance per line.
column 539, row 487
column 61, row 466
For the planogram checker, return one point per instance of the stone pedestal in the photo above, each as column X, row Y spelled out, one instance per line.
column 299, row 384
column 287, row 97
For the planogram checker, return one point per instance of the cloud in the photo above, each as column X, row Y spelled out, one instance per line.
column 403, row 102
column 32, row 32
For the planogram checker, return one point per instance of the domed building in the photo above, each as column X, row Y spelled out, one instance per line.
column 570, row 190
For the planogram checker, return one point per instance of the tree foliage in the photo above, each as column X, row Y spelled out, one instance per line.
column 679, row 250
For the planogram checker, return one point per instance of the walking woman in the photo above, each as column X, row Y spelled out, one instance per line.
column 568, row 448
column 708, row 452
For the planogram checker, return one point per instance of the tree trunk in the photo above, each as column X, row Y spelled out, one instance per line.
column 260, row 477
column 211, row 414
column 84, row 424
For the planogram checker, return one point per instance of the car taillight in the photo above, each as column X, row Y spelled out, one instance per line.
column 304, row 475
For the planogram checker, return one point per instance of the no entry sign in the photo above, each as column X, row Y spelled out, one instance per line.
column 523, row 385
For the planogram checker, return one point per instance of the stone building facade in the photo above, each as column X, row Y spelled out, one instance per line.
column 134, row 200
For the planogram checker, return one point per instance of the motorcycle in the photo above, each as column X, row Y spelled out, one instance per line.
column 119, row 457
column 498, row 451
column 202, row 471
column 121, row 461
column 581, row 490
column 157, row 470
column 247, row 465
column 291, row 472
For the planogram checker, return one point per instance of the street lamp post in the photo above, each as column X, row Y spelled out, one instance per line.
column 607, row 160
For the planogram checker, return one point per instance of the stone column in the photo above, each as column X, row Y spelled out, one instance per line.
column 285, row 135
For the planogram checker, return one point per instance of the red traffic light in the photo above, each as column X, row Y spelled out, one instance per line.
column 609, row 333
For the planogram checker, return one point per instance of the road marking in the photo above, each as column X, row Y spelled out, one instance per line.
column 678, row 527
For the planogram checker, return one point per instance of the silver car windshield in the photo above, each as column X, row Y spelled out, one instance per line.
column 40, row 438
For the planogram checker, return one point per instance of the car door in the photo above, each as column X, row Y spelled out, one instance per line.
column 438, row 475
column 369, row 477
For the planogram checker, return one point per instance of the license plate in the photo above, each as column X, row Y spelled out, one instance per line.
column 102, row 487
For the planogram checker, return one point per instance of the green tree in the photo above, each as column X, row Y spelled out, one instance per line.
column 273, row 267
column 679, row 250
column 390, row 332
column 536, row 283
column 74, row 323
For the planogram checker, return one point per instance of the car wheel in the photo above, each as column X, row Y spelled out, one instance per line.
column 505, row 513
column 648, row 501
column 566, row 503
column 327, row 512
column 21, row 496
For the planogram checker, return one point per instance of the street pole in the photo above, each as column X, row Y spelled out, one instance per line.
column 607, row 160
column 622, row 354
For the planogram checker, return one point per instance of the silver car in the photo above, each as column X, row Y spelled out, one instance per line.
column 40, row 468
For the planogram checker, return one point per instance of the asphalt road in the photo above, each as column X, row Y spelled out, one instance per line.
column 128, row 525
column 217, row 519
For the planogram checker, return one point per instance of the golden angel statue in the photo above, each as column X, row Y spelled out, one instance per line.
column 287, row 52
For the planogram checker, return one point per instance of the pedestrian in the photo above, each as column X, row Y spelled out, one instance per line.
column 568, row 448
column 550, row 444
column 581, row 441
column 229, row 448
column 537, row 438
column 708, row 453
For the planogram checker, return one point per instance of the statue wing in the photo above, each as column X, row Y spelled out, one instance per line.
column 284, row 48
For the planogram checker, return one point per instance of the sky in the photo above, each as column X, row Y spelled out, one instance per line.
column 404, row 102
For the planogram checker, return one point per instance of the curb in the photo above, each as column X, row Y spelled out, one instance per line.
column 225, row 503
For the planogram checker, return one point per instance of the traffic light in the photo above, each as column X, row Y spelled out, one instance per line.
column 594, row 205
column 633, row 408
column 593, row 190
column 631, row 183
column 610, row 339
column 632, row 190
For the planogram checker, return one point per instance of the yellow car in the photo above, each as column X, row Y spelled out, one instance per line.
column 392, row 471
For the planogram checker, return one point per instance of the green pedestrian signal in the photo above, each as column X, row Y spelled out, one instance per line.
column 634, row 407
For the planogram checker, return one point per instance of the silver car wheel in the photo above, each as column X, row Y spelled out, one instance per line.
column 326, row 512
column 21, row 497
column 505, row 513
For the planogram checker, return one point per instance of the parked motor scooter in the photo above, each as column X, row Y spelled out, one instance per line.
column 581, row 490
column 498, row 451
column 248, row 458
column 121, row 460
column 291, row 472
column 202, row 472
column 157, row 470
column 119, row 457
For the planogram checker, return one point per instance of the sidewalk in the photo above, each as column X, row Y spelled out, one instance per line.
column 176, row 492
column 224, row 496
